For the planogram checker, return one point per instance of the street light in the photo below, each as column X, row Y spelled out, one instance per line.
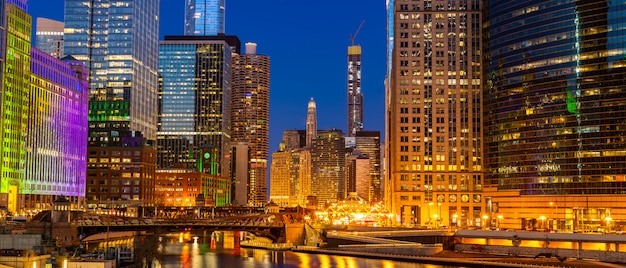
column 499, row 219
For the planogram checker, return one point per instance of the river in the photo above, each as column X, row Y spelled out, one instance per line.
column 184, row 250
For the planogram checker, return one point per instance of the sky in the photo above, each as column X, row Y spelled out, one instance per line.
column 307, row 42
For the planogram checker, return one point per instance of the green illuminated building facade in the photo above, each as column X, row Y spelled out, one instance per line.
column 14, row 112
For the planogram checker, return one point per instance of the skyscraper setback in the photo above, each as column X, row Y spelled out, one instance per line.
column 434, row 96
column 118, row 42
column 205, row 17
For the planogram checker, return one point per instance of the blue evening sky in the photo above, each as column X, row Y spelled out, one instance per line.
column 307, row 43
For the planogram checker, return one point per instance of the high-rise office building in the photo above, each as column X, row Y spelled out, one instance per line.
column 56, row 144
column 554, row 113
column 434, row 97
column 368, row 143
column 15, row 89
column 294, row 138
column 290, row 178
column 358, row 174
column 194, row 100
column 49, row 36
column 195, row 104
column 2, row 43
column 240, row 173
column 280, row 178
column 355, row 98
column 328, row 157
column 118, row 41
column 311, row 123
column 387, row 179
column 205, row 17
column 250, row 116
column 44, row 106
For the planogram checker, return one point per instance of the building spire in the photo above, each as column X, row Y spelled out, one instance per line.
column 311, row 123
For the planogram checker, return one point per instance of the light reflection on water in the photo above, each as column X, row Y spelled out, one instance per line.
column 206, row 253
column 258, row 258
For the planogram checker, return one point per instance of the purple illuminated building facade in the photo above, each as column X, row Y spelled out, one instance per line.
column 56, row 142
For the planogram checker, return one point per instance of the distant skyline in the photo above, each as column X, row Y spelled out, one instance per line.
column 307, row 42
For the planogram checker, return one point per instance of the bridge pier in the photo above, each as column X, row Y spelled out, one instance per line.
column 294, row 233
column 217, row 240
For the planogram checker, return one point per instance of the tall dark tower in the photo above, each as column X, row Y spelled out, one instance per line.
column 355, row 98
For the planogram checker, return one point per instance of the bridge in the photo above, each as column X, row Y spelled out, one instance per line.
column 270, row 225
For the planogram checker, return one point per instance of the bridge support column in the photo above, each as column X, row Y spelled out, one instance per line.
column 294, row 233
column 217, row 240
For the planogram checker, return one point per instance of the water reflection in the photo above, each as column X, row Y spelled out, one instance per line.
column 208, row 251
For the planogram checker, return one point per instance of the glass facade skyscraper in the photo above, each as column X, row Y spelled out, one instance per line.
column 205, row 17
column 194, row 102
column 118, row 41
column 555, row 110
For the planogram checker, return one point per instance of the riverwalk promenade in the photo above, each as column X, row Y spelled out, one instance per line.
column 452, row 258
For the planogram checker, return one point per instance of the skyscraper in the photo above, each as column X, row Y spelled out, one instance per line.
column 118, row 41
column 250, row 116
column 280, row 178
column 328, row 167
column 195, row 100
column 290, row 178
column 205, row 17
column 368, row 143
column 49, row 36
column 56, row 143
column 358, row 174
column 554, row 112
column 434, row 96
column 355, row 98
column 195, row 110
column 311, row 123
column 15, row 89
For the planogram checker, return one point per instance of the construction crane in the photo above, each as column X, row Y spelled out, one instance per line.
column 352, row 37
